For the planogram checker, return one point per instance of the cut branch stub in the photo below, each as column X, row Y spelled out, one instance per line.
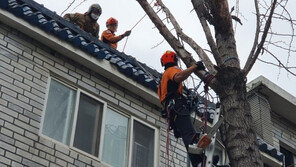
column 222, row 18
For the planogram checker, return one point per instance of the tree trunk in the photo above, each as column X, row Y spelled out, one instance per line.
column 237, row 132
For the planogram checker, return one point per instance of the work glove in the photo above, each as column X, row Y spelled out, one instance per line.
column 127, row 33
column 200, row 66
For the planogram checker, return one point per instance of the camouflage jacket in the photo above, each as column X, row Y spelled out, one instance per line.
column 84, row 22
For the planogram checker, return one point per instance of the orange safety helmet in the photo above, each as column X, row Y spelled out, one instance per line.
column 111, row 21
column 168, row 57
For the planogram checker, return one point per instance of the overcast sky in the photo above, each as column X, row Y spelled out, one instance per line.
column 144, row 36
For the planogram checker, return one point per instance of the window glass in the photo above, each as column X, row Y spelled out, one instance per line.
column 143, row 146
column 59, row 112
column 289, row 157
column 115, row 139
column 88, row 126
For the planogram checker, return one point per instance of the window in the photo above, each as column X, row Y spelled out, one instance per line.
column 73, row 118
column 88, row 126
column 115, row 139
column 59, row 112
column 290, row 158
column 143, row 145
column 82, row 121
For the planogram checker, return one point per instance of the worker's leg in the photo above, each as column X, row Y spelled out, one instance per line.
column 180, row 121
column 186, row 129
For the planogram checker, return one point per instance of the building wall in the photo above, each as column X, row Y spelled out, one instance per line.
column 260, row 110
column 272, row 127
column 284, row 133
column 25, row 66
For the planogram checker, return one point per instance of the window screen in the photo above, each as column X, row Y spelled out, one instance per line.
column 143, row 145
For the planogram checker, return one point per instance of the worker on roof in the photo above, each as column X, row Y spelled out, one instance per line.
column 108, row 36
column 88, row 20
column 170, row 92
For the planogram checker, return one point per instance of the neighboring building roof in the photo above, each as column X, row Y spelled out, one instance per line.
column 281, row 102
column 270, row 150
column 49, row 21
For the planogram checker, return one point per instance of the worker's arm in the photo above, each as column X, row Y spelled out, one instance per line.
column 113, row 39
column 71, row 17
column 181, row 76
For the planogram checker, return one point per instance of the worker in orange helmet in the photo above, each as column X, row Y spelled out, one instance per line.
column 108, row 36
column 88, row 20
column 170, row 92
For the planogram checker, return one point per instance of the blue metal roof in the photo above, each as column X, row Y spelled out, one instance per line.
column 49, row 21
column 52, row 23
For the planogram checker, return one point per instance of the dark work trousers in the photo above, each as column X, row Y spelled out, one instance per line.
column 181, row 123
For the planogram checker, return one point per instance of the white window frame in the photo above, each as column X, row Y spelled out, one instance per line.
column 129, row 133
column 131, row 120
column 45, row 105
column 156, row 141
column 79, row 91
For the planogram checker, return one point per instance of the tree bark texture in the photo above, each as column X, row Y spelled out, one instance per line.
column 237, row 131
column 225, row 40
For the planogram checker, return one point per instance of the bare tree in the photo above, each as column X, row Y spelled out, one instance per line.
column 229, row 82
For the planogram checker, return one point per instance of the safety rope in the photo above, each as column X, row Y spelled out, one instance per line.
column 207, row 79
column 204, row 119
column 132, row 29
column 168, row 136
column 135, row 26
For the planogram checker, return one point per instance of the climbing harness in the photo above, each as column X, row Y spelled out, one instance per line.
column 183, row 107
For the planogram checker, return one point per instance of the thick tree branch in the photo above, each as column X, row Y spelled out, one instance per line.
column 199, row 9
column 252, row 58
column 221, row 16
column 217, row 13
column 172, row 40
column 187, row 39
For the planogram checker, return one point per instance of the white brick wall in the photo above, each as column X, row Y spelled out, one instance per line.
column 25, row 66
column 273, row 128
column 284, row 132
